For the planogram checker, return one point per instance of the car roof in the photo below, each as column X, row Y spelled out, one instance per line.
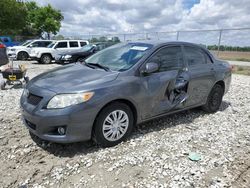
column 70, row 40
column 164, row 42
column 40, row 40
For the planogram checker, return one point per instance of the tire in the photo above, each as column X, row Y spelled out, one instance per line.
column 214, row 99
column 80, row 59
column 46, row 59
column 2, row 84
column 22, row 56
column 116, row 133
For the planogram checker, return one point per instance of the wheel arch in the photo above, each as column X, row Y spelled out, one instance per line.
column 222, row 84
column 22, row 51
column 47, row 53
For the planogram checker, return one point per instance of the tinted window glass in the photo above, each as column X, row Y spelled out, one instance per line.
column 194, row 56
column 4, row 39
column 208, row 58
column 46, row 43
column 61, row 45
column 36, row 44
column 83, row 43
column 169, row 58
column 73, row 44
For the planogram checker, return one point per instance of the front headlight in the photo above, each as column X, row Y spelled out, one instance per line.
column 25, row 92
column 65, row 100
column 12, row 49
column 67, row 56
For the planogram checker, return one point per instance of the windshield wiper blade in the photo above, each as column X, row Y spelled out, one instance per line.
column 100, row 66
column 87, row 64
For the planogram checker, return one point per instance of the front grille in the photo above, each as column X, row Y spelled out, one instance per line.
column 31, row 125
column 34, row 99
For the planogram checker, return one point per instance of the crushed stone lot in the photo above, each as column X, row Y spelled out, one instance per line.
column 156, row 155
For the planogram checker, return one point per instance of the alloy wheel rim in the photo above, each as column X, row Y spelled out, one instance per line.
column 115, row 125
column 46, row 59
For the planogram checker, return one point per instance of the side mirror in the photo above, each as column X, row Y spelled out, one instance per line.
column 150, row 68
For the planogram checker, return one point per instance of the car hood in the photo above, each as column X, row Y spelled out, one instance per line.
column 72, row 78
column 17, row 47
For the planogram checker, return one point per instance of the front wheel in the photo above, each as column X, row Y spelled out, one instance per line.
column 113, row 124
column 214, row 99
column 46, row 59
column 80, row 59
column 22, row 56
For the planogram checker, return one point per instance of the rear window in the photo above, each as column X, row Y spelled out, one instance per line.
column 73, row 44
column 4, row 39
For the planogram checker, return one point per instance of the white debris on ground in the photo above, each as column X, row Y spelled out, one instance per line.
column 156, row 155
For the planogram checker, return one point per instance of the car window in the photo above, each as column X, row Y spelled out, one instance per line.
column 61, row 45
column 73, row 44
column 46, row 43
column 169, row 58
column 36, row 44
column 5, row 39
column 208, row 58
column 83, row 43
column 194, row 56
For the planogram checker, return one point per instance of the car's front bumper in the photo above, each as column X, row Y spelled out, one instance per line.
column 77, row 121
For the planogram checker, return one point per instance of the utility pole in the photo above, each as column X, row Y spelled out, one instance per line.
column 218, row 50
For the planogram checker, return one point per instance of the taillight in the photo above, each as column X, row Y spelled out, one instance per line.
column 2, row 46
column 231, row 67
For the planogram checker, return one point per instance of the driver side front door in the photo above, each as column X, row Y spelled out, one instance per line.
column 166, row 89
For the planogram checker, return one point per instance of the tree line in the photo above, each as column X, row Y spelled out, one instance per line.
column 229, row 48
column 27, row 18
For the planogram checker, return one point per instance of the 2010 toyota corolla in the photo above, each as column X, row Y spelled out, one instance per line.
column 104, row 97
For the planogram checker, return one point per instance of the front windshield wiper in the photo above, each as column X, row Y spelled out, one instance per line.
column 99, row 65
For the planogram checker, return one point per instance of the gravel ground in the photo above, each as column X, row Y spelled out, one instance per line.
column 156, row 155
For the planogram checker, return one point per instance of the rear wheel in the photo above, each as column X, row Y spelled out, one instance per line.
column 80, row 59
column 113, row 124
column 22, row 56
column 214, row 99
column 2, row 84
column 46, row 59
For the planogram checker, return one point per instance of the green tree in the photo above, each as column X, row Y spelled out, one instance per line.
column 58, row 37
column 47, row 20
column 13, row 16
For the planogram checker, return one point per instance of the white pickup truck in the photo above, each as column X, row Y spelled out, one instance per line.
column 47, row 55
column 22, row 51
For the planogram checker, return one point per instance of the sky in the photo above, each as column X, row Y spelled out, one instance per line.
column 88, row 17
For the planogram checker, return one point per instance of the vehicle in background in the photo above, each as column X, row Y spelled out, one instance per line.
column 46, row 55
column 121, row 86
column 80, row 55
column 7, row 41
column 22, row 52
column 3, row 55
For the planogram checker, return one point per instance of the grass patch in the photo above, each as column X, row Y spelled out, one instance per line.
column 241, row 70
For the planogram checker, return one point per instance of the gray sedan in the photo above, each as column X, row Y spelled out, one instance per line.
column 104, row 97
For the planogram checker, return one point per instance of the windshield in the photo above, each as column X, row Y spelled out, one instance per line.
column 120, row 57
column 87, row 47
column 51, row 45
column 25, row 43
